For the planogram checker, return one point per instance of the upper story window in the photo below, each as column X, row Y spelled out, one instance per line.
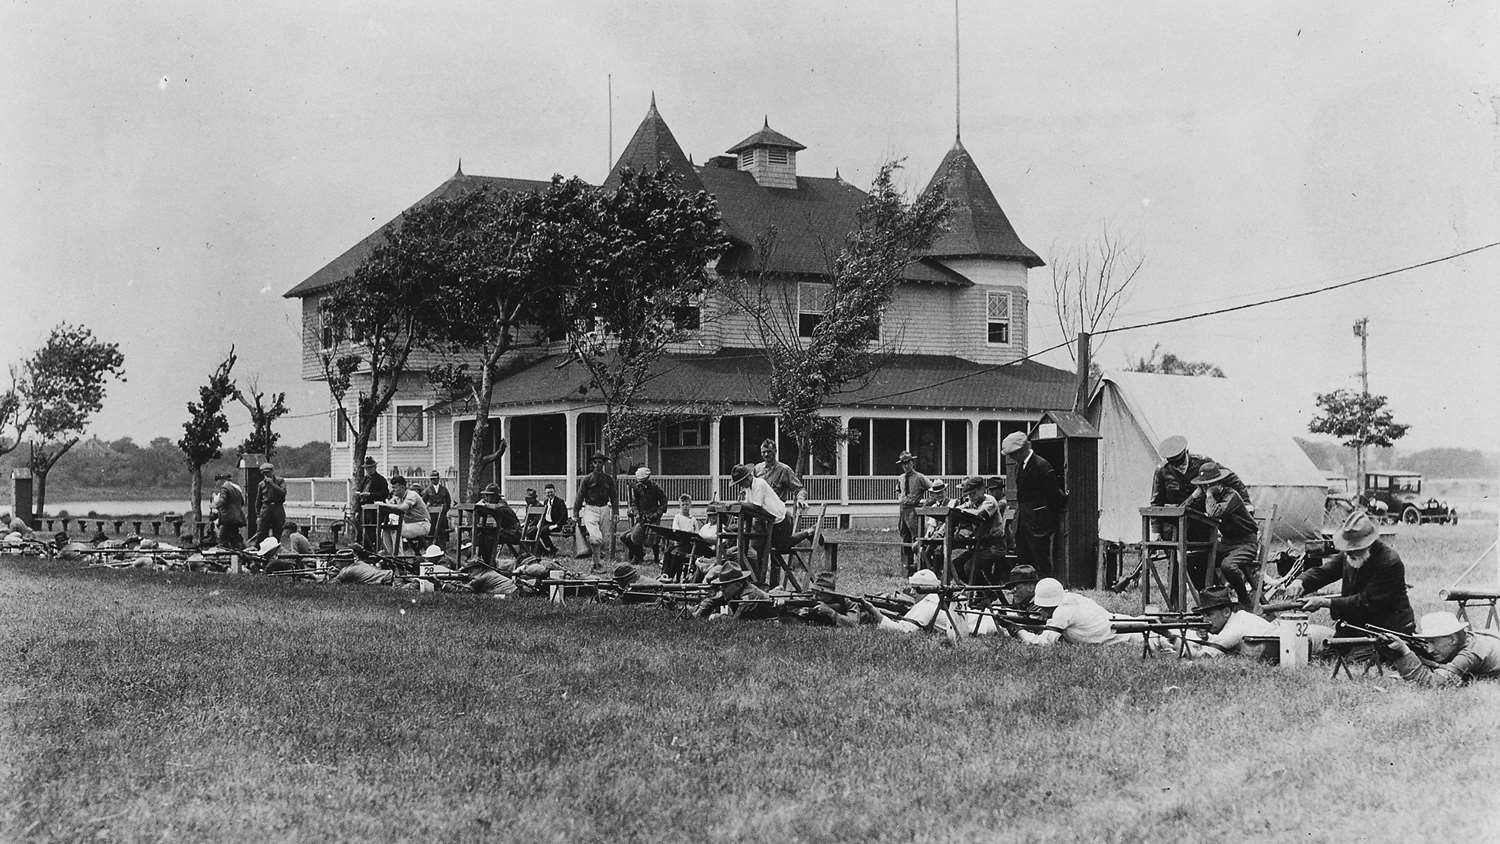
column 687, row 315
column 810, row 306
column 341, row 427
column 409, row 424
column 997, row 317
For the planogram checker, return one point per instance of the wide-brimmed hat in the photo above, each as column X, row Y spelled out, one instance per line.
column 937, row 485
column 599, row 456
column 924, row 579
column 398, row 479
column 1435, row 625
column 825, row 582
column 1210, row 473
column 1013, row 443
column 344, row 555
column 1356, row 533
column 467, row 546
column 1213, row 599
column 433, row 475
column 1172, row 446
column 149, row 543
column 972, row 482
column 268, row 545
column 1021, row 574
column 739, row 473
column 996, row 482
column 642, row 473
column 491, row 489
column 369, row 463
column 905, row 456
column 626, row 571
column 432, row 552
column 267, row 467
column 1049, row 592
column 730, row 574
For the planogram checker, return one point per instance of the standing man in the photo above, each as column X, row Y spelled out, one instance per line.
column 647, row 505
column 1371, row 576
column 439, row 501
column 272, row 496
column 760, row 503
column 1172, row 483
column 911, row 488
column 229, row 508
column 596, row 508
column 782, row 478
column 1039, row 503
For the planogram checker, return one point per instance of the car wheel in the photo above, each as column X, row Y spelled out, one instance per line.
column 1411, row 516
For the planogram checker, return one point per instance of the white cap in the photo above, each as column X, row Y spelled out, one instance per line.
column 268, row 545
column 432, row 553
column 1435, row 625
column 709, row 532
column 642, row 473
column 1049, row 592
column 924, row 579
column 1012, row 443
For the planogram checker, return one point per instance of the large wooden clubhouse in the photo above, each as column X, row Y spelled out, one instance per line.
column 955, row 390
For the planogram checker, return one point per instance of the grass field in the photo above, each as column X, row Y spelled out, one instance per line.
column 147, row 706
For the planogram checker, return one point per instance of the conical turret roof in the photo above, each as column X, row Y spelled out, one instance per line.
column 978, row 228
column 650, row 147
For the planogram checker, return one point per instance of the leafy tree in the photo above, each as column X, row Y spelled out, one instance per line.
column 1359, row 420
column 61, row 386
column 844, row 350
column 264, row 411
column 636, row 258
column 1170, row 364
column 203, row 433
column 499, row 269
column 376, row 313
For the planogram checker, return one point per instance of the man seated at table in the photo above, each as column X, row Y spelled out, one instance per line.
column 760, row 507
column 294, row 541
column 733, row 589
column 975, row 532
column 495, row 523
column 1454, row 654
column 349, row 569
column 679, row 553
column 554, row 518
column 1371, row 576
column 410, row 512
column 1071, row 618
column 1238, row 554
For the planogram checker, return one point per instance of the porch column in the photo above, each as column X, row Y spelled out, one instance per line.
column 431, row 431
column 570, row 481
column 843, row 461
column 973, row 460
column 713, row 454
column 502, row 426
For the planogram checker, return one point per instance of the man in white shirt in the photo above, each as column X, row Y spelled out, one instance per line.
column 1228, row 626
column 1072, row 618
column 411, row 510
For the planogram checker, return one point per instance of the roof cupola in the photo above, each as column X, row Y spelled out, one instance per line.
column 769, row 156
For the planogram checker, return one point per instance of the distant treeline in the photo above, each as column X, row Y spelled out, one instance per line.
column 125, row 466
column 1431, row 462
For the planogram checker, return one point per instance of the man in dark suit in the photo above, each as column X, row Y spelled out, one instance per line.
column 1371, row 578
column 1039, row 504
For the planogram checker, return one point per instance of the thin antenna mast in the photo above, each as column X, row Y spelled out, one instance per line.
column 957, row 110
column 610, row 81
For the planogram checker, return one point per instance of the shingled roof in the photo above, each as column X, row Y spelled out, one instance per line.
column 738, row 377
column 810, row 223
column 652, row 146
column 978, row 228
column 766, row 137
column 459, row 184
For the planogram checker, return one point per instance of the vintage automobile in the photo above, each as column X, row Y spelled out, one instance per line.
column 1397, row 497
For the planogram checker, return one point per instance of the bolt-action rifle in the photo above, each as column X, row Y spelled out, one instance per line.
column 1417, row 644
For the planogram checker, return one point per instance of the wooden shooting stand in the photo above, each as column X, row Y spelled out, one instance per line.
column 1176, row 551
column 770, row 566
column 1364, row 650
column 1465, row 598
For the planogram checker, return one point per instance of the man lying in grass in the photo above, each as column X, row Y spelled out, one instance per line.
column 1455, row 654
column 1071, row 618
column 1229, row 627
column 734, row 590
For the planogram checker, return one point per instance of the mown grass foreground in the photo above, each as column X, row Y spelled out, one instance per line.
column 208, row 707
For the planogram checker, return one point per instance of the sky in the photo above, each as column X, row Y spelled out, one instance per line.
column 169, row 169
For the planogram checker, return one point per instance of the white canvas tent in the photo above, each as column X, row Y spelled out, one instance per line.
column 1135, row 410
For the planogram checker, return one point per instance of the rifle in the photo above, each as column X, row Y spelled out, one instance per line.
column 1161, row 628
column 292, row 573
column 1417, row 644
column 1281, row 606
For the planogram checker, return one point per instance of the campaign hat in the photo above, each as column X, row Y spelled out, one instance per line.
column 731, row 574
column 937, row 485
column 490, row 489
column 739, row 473
column 432, row 552
column 344, row 555
column 1210, row 473
column 268, row 545
column 1021, row 574
column 972, row 482
column 626, row 571
column 1356, row 533
column 1213, row 599
column 825, row 582
column 433, row 475
column 369, row 463
column 905, row 456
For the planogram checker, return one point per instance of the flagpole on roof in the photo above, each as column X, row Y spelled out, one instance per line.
column 609, row 81
column 957, row 102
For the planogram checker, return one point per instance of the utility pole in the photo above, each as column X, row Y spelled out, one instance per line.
column 1362, row 331
column 1081, row 397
